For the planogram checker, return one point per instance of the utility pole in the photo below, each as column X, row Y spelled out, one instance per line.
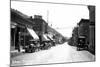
column 47, row 20
column 47, row 16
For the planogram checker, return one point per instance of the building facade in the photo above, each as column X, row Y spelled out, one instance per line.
column 92, row 28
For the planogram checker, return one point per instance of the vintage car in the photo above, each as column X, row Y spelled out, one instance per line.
column 82, row 43
column 33, row 46
column 47, row 42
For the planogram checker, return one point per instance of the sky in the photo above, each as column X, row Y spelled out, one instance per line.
column 62, row 17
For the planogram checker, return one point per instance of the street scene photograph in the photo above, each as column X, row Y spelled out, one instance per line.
column 51, row 33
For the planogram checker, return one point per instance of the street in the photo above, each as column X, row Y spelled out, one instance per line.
column 57, row 54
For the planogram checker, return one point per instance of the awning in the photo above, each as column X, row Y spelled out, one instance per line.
column 50, row 37
column 32, row 33
column 13, row 24
column 45, row 38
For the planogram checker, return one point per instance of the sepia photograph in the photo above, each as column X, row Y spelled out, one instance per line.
column 51, row 33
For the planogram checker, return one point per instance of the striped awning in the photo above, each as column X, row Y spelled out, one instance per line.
column 33, row 34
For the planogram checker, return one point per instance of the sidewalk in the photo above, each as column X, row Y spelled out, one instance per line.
column 14, row 53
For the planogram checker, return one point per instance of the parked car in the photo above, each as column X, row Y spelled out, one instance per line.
column 82, row 43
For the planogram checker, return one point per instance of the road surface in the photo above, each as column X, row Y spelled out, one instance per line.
column 57, row 54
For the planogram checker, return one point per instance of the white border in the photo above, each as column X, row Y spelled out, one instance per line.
column 5, row 33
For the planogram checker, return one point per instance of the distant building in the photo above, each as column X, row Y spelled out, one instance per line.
column 83, row 29
column 40, row 25
column 38, row 16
